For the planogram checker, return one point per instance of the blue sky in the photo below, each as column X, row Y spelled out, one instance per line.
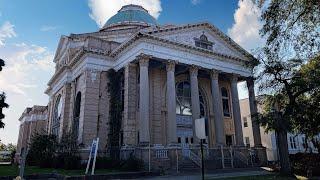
column 30, row 31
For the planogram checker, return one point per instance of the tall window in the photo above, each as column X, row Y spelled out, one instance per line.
column 77, row 109
column 225, row 102
column 293, row 143
column 245, row 122
column 183, row 106
column 56, row 116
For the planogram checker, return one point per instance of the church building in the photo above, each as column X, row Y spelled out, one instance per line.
column 169, row 75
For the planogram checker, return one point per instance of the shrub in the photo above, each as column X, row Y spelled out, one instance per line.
column 42, row 150
column 132, row 164
column 305, row 163
column 107, row 163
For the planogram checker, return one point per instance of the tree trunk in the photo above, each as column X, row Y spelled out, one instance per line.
column 283, row 153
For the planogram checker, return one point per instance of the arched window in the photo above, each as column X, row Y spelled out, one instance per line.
column 77, row 109
column 56, row 116
column 225, row 102
column 183, row 106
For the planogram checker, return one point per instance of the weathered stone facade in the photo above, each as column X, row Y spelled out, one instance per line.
column 172, row 75
column 32, row 121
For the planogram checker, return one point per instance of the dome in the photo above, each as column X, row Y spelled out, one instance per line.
column 131, row 15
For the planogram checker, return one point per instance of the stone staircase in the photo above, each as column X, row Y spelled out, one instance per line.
column 187, row 165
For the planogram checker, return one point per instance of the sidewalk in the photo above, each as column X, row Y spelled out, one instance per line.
column 218, row 174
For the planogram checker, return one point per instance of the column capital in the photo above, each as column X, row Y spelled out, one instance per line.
column 143, row 59
column 250, row 80
column 214, row 74
column 131, row 65
column 193, row 70
column 234, row 77
column 170, row 65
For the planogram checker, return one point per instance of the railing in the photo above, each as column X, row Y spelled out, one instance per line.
column 161, row 154
column 242, row 157
column 195, row 158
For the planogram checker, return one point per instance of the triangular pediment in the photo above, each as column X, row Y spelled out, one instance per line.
column 189, row 34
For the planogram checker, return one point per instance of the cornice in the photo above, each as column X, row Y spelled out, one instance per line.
column 210, row 26
column 158, row 40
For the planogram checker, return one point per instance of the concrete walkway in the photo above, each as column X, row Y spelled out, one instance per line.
column 218, row 174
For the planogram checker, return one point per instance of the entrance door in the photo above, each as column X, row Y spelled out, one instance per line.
column 229, row 140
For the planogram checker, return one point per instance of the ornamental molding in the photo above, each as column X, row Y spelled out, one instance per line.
column 209, row 26
column 170, row 65
column 132, row 42
column 214, row 74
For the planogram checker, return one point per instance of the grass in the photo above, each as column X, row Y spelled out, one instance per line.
column 14, row 171
column 264, row 177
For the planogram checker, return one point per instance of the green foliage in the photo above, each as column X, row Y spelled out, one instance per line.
column 107, row 163
column 1, row 64
column 115, row 111
column 132, row 164
column 3, row 104
column 306, row 164
column 42, row 150
column 46, row 151
column 292, row 26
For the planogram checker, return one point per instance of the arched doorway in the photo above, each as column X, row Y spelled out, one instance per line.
column 184, row 112
column 77, row 109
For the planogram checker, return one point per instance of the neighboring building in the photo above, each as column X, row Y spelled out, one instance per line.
column 171, row 75
column 296, row 142
column 33, row 120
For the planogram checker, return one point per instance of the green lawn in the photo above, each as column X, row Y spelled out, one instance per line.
column 263, row 177
column 14, row 171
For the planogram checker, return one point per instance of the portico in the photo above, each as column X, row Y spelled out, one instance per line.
column 177, row 123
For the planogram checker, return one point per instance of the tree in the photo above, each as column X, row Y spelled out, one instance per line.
column 3, row 104
column 292, row 26
column 115, row 111
column 292, row 30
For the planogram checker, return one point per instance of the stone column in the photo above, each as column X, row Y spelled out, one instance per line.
column 236, row 110
column 253, row 111
column 217, row 108
column 171, row 103
column 195, row 102
column 144, row 130
column 130, row 108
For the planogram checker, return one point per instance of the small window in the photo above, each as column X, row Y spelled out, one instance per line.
column 179, row 139
column 245, row 122
column 187, row 140
column 225, row 102
column 191, row 140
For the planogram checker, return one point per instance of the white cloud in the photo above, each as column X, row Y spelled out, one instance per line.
column 48, row 28
column 102, row 10
column 6, row 31
column 24, row 79
column 195, row 2
column 245, row 30
column 23, row 62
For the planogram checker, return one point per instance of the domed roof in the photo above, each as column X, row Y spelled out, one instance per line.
column 130, row 15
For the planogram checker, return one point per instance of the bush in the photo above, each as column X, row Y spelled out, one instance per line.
column 132, row 164
column 46, row 152
column 42, row 150
column 305, row 163
column 107, row 163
